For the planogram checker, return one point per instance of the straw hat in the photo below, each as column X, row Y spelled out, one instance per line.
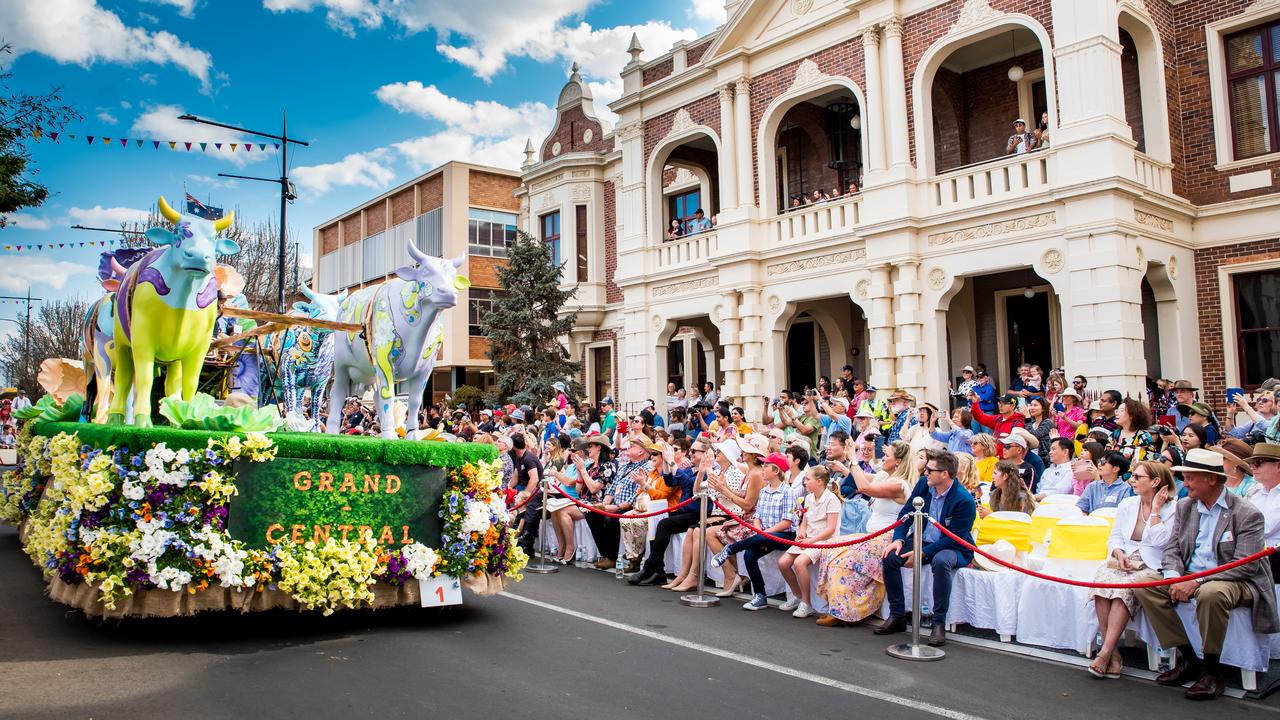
column 1184, row 385
column 1205, row 461
column 1033, row 442
column 1265, row 451
column 1002, row 549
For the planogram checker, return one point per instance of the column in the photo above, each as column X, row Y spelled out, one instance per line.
column 753, row 355
column 1103, row 301
column 742, row 142
column 882, row 365
column 909, row 329
column 729, row 325
column 896, row 95
column 690, row 376
column 873, row 115
column 728, row 150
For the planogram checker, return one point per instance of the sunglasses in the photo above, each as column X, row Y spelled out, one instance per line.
column 1260, row 463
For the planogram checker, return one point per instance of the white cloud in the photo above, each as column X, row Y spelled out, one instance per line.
column 368, row 169
column 485, row 118
column 20, row 269
column 126, row 104
column 431, row 151
column 711, row 11
column 80, row 32
column 24, row 221
column 160, row 122
column 343, row 15
column 98, row 216
column 147, row 78
column 106, row 117
column 185, row 8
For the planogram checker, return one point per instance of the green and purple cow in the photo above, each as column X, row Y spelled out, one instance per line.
column 164, row 312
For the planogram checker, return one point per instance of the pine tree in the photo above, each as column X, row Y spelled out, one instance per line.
column 525, row 327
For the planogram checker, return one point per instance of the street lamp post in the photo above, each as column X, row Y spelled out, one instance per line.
column 286, row 188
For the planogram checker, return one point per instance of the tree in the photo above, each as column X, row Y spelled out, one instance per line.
column 525, row 327
column 25, row 117
column 55, row 331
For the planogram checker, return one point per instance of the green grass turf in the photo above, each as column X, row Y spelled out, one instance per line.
column 313, row 446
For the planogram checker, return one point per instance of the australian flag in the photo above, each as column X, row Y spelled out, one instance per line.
column 200, row 210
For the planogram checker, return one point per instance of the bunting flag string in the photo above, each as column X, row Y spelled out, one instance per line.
column 90, row 140
column 37, row 247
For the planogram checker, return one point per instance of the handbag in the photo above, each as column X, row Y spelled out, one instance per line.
column 854, row 514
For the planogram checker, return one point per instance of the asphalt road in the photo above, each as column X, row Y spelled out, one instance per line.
column 575, row 644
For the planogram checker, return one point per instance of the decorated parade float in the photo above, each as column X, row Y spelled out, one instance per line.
column 226, row 508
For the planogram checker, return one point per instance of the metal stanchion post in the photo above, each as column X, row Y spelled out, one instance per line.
column 701, row 599
column 542, row 568
column 916, row 651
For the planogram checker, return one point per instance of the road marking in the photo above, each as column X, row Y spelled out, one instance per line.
column 754, row 662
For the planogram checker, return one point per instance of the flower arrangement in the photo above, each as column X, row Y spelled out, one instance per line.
column 124, row 521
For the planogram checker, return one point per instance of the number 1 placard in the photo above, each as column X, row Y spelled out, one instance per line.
column 441, row 590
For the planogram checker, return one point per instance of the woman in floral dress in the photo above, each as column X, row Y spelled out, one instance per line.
column 850, row 577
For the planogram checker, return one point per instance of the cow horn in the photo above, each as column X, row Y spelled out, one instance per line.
column 169, row 213
column 117, row 270
column 307, row 291
column 458, row 261
column 417, row 254
column 223, row 222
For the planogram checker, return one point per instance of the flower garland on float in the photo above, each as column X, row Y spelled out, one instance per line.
column 124, row 521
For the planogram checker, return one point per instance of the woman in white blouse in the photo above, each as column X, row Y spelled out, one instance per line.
column 1138, row 537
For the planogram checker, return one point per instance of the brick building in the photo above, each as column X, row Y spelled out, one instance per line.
column 456, row 209
column 1140, row 242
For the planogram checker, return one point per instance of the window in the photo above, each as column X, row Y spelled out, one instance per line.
column 481, row 302
column 489, row 232
column 550, row 224
column 682, row 207
column 1257, row 297
column 1253, row 67
column 580, row 238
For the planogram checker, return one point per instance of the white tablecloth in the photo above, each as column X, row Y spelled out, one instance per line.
column 1055, row 615
column 1242, row 648
column 987, row 600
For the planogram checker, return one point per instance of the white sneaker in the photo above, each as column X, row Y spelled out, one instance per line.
column 790, row 605
column 803, row 611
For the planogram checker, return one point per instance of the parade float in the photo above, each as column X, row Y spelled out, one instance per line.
column 224, row 509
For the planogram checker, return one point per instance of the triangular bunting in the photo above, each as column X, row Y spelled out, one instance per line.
column 62, row 245
column 248, row 147
column 89, row 138
column 262, row 146
column 203, row 146
column 35, row 134
column 71, row 137
column 188, row 146
column 233, row 147
column 106, row 141
column 276, row 145
column 54, row 136
column 217, row 146
column 172, row 143
column 138, row 143
column 38, row 247
column 124, row 142
column 155, row 144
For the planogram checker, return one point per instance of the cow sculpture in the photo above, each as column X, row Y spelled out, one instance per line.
column 399, row 339
column 97, row 343
column 165, row 310
column 301, row 358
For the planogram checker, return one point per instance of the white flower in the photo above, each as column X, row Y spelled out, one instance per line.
column 477, row 518
column 420, row 560
column 171, row 578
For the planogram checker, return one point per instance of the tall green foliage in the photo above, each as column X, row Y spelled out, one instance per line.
column 525, row 328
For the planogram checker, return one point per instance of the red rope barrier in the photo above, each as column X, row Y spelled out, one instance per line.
column 815, row 546
column 626, row 516
column 516, row 507
column 1108, row 586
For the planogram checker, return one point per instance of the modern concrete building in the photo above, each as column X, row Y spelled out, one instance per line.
column 1139, row 241
column 458, row 208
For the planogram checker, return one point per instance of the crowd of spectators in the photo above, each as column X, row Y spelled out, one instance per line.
column 844, row 458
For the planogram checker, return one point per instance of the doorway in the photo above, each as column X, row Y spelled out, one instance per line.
column 802, row 355
column 1028, row 329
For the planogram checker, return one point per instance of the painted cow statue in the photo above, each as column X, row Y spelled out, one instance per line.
column 165, row 310
column 301, row 358
column 399, row 339
column 96, row 342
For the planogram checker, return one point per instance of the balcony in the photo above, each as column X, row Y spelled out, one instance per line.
column 1153, row 174
column 680, row 253
column 1009, row 178
column 815, row 222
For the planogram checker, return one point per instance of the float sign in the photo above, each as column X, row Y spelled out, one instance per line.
column 294, row 500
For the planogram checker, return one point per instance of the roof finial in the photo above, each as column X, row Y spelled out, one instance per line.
column 528, row 152
column 634, row 49
column 574, row 69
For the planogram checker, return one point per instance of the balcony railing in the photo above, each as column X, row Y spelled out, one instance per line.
column 815, row 222
column 1154, row 175
column 1007, row 178
column 694, row 248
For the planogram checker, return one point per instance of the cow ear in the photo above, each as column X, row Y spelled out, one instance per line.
column 227, row 247
column 407, row 274
column 342, row 296
column 302, row 307
column 160, row 236
column 111, row 285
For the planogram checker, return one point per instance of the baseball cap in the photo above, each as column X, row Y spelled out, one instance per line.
column 778, row 460
column 1014, row 440
column 517, row 414
column 606, row 400
column 967, row 368
column 1007, row 398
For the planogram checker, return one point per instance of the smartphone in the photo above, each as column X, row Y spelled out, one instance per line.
column 1232, row 394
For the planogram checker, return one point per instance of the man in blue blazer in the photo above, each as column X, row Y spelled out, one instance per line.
column 950, row 504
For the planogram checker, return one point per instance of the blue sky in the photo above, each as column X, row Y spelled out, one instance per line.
column 382, row 89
